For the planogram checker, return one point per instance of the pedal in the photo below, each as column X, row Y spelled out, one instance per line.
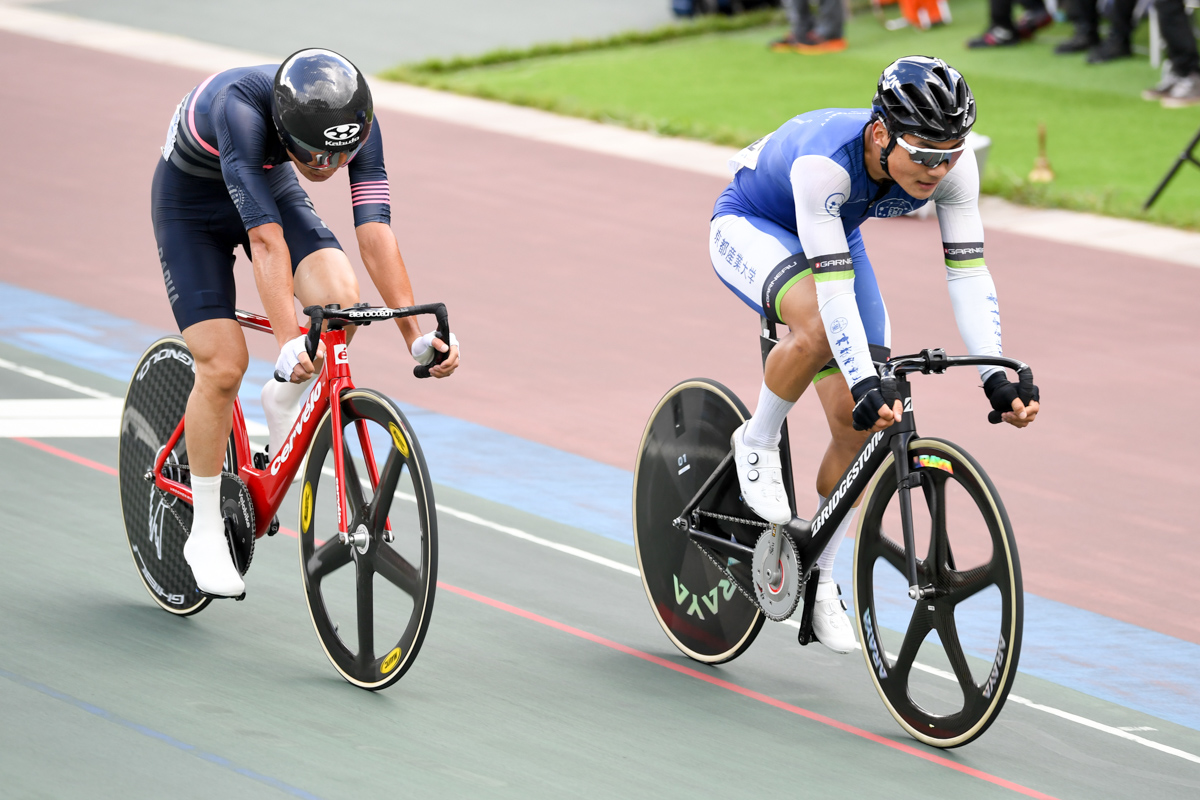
column 274, row 527
column 261, row 460
column 239, row 598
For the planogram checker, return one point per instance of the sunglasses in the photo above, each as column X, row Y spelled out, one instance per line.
column 931, row 157
column 323, row 159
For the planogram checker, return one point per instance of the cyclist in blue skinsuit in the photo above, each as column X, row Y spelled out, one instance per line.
column 785, row 238
column 228, row 178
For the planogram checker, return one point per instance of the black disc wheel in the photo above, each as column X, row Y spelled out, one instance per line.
column 943, row 665
column 370, row 597
column 687, row 437
column 154, row 521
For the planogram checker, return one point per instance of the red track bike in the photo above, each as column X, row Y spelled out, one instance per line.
column 373, row 517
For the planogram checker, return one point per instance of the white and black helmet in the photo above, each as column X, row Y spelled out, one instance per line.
column 926, row 97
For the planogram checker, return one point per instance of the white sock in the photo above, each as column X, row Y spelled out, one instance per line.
column 763, row 428
column 825, row 562
column 206, row 506
column 281, row 405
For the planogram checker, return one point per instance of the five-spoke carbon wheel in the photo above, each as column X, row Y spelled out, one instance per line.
column 685, row 440
column 371, row 596
column 943, row 665
column 154, row 404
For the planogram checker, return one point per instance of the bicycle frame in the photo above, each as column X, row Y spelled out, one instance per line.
column 811, row 536
column 268, row 486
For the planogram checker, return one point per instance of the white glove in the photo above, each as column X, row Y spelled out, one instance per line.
column 423, row 350
column 289, row 357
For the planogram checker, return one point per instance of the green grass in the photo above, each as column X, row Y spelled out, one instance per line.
column 1107, row 146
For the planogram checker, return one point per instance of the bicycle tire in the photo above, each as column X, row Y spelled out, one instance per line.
column 414, row 529
column 981, row 702
column 685, row 439
column 154, row 403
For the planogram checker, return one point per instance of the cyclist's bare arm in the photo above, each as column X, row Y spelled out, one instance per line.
column 273, row 276
column 381, row 256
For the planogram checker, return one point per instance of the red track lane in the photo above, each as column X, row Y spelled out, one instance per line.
column 580, row 287
column 54, row 451
column 662, row 662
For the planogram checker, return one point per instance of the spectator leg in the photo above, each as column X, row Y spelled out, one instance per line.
column 1176, row 26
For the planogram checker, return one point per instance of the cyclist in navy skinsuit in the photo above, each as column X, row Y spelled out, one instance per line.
column 785, row 238
column 228, row 178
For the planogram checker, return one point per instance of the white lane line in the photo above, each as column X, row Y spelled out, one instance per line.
column 1106, row 729
column 37, row 374
column 517, row 533
column 1131, row 237
column 47, row 419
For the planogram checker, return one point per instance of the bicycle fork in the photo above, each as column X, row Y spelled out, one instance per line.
column 906, row 480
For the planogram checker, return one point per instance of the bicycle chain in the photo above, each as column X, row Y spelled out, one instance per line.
column 722, row 567
column 753, row 523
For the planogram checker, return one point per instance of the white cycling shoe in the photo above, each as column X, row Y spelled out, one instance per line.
column 207, row 553
column 760, row 478
column 830, row 622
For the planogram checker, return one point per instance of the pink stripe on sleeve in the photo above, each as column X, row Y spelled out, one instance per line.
column 192, row 116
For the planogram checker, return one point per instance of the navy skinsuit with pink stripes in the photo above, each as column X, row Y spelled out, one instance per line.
column 224, row 171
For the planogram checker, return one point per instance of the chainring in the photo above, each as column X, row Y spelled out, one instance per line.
column 237, row 508
column 776, row 574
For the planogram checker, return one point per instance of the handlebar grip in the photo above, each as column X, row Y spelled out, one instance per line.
column 279, row 376
column 995, row 417
column 443, row 333
column 1025, row 385
column 887, row 388
column 316, row 315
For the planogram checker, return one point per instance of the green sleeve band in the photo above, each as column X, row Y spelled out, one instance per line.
column 825, row 373
column 847, row 275
column 974, row 262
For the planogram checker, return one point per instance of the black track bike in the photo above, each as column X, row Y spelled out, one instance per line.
column 936, row 573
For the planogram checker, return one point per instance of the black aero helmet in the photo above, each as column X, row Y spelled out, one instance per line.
column 926, row 97
column 322, row 108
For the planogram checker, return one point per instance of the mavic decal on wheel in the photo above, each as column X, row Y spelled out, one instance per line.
column 306, row 506
column 398, row 438
column 389, row 663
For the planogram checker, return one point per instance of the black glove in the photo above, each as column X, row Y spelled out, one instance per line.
column 868, row 399
column 1001, row 392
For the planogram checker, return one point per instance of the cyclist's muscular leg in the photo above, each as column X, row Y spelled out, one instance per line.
column 799, row 356
column 845, row 442
column 791, row 366
column 830, row 623
column 219, row 350
column 323, row 276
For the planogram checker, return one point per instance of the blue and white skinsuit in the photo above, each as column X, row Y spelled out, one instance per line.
column 794, row 208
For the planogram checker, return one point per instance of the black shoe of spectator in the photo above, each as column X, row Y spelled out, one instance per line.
column 994, row 37
column 1108, row 50
column 1032, row 22
column 1078, row 43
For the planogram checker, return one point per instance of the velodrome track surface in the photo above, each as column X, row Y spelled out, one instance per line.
column 580, row 288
